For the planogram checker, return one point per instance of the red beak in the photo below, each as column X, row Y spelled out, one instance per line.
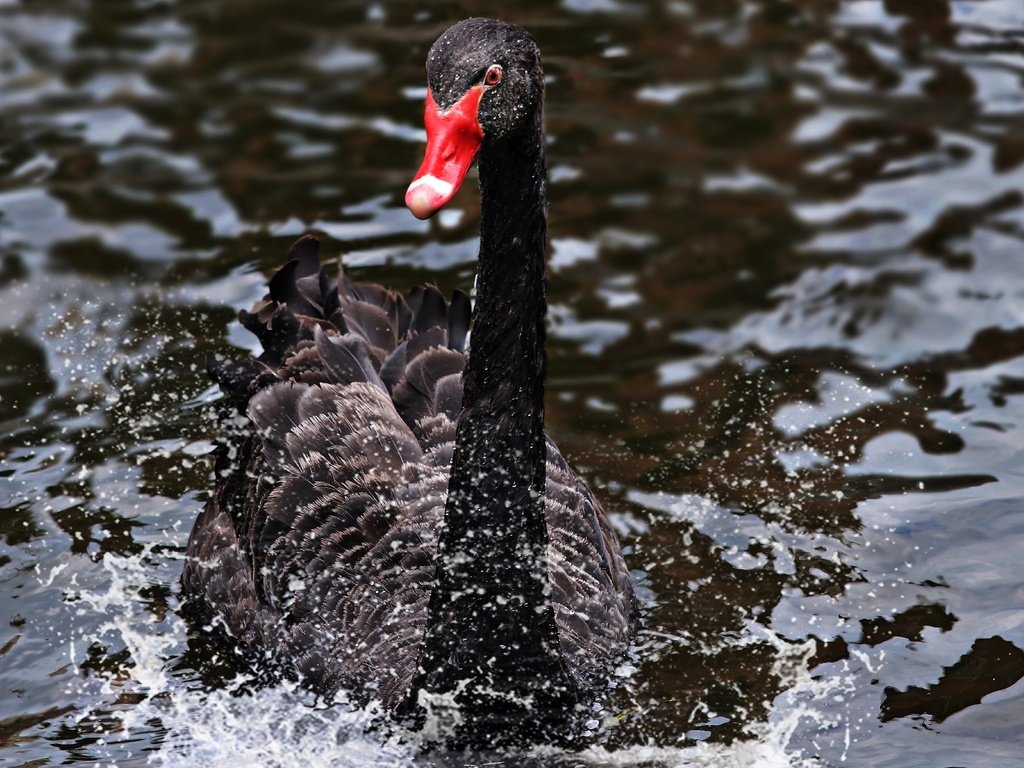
column 453, row 140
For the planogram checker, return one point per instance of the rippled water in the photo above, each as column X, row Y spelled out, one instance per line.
column 787, row 347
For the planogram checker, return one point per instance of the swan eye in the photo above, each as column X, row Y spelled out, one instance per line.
column 493, row 76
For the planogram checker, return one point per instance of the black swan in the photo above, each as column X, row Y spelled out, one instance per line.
column 389, row 517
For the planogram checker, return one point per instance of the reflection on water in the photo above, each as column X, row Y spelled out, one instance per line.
column 787, row 346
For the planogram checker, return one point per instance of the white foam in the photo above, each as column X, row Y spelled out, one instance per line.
column 178, row 723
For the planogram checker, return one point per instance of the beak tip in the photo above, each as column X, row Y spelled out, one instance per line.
column 421, row 202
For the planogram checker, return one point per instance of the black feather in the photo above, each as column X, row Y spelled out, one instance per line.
column 345, row 358
column 339, row 483
column 458, row 320
column 365, row 452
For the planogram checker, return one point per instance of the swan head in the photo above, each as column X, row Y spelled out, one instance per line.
column 485, row 87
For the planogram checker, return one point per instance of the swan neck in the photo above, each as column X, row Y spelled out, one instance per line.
column 490, row 617
column 507, row 362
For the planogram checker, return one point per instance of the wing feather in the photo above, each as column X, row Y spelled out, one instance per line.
column 332, row 474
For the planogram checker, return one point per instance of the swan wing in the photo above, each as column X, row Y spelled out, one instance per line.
column 331, row 479
column 593, row 596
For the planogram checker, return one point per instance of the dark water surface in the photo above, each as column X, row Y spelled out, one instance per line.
column 787, row 348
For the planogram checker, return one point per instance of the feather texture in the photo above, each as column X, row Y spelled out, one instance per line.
column 318, row 545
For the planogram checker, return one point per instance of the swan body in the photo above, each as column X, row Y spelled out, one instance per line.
column 389, row 518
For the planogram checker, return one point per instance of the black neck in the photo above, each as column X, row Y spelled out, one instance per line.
column 490, row 618
column 505, row 374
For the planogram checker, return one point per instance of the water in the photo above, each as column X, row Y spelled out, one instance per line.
column 787, row 348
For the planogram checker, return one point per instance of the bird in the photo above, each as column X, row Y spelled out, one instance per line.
column 389, row 518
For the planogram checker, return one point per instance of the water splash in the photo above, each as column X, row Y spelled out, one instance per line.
column 180, row 723
column 280, row 725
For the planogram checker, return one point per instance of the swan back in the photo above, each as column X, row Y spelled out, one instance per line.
column 318, row 545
